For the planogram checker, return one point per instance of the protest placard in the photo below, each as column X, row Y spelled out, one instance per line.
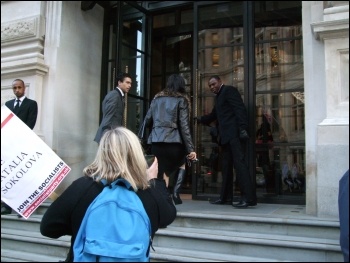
column 30, row 169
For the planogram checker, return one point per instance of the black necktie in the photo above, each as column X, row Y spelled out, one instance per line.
column 17, row 105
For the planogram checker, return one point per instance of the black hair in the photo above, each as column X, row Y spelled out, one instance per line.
column 121, row 77
column 214, row 77
column 176, row 84
column 24, row 85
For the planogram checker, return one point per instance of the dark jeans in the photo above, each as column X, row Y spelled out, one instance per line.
column 233, row 157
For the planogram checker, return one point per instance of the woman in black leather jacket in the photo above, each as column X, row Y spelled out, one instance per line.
column 170, row 136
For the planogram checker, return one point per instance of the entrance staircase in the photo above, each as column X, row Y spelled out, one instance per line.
column 197, row 237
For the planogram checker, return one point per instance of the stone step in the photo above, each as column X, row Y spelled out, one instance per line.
column 303, row 227
column 198, row 251
column 13, row 222
column 10, row 255
column 234, row 243
column 314, row 227
column 34, row 242
column 162, row 254
column 203, row 235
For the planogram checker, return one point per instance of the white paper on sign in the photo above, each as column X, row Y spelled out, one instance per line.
column 30, row 169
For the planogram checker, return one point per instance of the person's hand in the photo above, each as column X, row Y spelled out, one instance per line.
column 197, row 120
column 243, row 134
column 192, row 156
column 152, row 171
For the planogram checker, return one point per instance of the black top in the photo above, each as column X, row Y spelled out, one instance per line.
column 66, row 213
column 168, row 120
column 27, row 112
column 230, row 112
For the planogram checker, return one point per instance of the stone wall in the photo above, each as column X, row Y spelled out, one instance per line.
column 326, row 64
column 56, row 48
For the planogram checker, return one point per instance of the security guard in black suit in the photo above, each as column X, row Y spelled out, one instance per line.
column 230, row 113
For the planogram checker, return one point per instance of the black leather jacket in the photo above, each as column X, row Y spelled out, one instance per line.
column 169, row 119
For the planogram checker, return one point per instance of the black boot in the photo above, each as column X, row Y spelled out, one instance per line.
column 170, row 191
column 5, row 209
column 177, row 186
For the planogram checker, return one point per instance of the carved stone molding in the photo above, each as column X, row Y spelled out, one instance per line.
column 6, row 94
column 21, row 29
column 22, row 47
column 24, row 68
column 331, row 29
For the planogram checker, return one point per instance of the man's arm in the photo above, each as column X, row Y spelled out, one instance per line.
column 32, row 114
column 110, row 111
column 240, row 111
column 207, row 119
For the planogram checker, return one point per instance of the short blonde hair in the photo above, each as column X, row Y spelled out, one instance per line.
column 119, row 155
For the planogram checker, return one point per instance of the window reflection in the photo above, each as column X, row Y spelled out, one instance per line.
column 279, row 90
column 280, row 155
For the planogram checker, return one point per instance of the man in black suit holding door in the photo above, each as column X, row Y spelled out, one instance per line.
column 230, row 113
column 26, row 110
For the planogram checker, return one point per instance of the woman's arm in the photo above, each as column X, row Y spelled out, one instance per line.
column 156, row 200
column 65, row 214
column 56, row 220
column 166, row 208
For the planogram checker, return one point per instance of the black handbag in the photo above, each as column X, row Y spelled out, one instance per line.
column 141, row 133
column 143, row 139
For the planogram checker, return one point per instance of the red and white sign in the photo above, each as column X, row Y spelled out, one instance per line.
column 30, row 169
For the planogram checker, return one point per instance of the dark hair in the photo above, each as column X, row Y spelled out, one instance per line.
column 176, row 84
column 24, row 85
column 214, row 77
column 121, row 77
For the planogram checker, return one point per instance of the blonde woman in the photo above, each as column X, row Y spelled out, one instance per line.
column 119, row 155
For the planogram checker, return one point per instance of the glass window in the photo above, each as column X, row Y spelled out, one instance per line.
column 164, row 20
column 187, row 16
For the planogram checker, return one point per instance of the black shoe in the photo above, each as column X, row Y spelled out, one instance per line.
column 217, row 202
column 177, row 200
column 244, row 204
column 5, row 210
column 220, row 202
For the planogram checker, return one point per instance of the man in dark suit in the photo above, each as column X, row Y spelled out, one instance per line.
column 25, row 109
column 113, row 106
column 343, row 205
column 230, row 113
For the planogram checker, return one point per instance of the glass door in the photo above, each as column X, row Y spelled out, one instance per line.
column 125, row 50
column 280, row 132
column 219, row 51
column 172, row 53
column 134, row 59
column 256, row 47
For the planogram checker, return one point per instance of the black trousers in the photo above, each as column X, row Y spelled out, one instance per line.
column 233, row 157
